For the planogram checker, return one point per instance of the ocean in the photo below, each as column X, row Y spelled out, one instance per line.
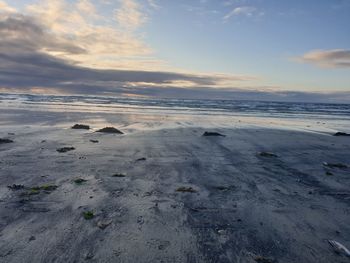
column 331, row 116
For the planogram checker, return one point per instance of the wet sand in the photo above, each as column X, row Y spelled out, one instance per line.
column 243, row 206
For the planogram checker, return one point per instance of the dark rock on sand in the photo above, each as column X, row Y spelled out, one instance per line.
column 65, row 149
column 141, row 159
column 81, row 127
column 94, row 141
column 5, row 141
column 341, row 134
column 213, row 134
column 110, row 130
column 15, row 186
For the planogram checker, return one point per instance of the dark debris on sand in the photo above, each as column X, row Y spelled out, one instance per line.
column 213, row 134
column 267, row 154
column 65, row 149
column 184, row 189
column 329, row 173
column 81, row 127
column 88, row 215
column 15, row 187
column 141, row 159
column 335, row 165
column 80, row 181
column 110, row 130
column 48, row 188
column 94, row 141
column 261, row 259
column 341, row 134
column 5, row 141
column 118, row 175
column 224, row 188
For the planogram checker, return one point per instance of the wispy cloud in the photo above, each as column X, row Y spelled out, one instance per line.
column 86, row 7
column 154, row 4
column 335, row 58
column 129, row 14
column 247, row 11
column 4, row 7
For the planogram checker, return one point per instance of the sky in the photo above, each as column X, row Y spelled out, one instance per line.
column 230, row 49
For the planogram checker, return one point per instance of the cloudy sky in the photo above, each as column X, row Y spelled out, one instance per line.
column 237, row 49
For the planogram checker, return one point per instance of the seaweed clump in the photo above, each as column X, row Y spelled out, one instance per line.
column 15, row 187
column 88, row 215
column 47, row 188
column 110, row 130
column 81, row 127
column 5, row 141
column 65, row 149
column 267, row 154
column 80, row 181
column 184, row 189
column 341, row 134
column 118, row 175
column 206, row 134
column 335, row 165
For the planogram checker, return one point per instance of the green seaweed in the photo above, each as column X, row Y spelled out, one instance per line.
column 48, row 187
column 80, row 181
column 37, row 189
column 33, row 191
column 88, row 215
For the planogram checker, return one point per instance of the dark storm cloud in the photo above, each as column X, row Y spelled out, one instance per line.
column 21, row 34
column 39, row 69
column 23, row 62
